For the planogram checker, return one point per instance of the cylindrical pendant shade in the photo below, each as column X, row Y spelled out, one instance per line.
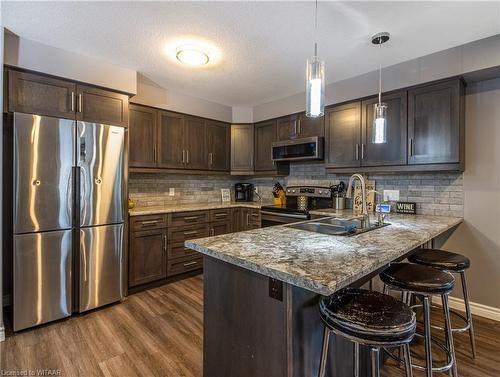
column 315, row 87
column 379, row 131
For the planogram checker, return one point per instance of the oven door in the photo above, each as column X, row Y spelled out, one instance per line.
column 269, row 218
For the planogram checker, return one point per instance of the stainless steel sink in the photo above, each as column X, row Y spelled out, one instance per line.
column 336, row 227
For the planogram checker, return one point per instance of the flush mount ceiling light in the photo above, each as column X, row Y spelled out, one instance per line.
column 192, row 55
column 379, row 131
column 315, row 78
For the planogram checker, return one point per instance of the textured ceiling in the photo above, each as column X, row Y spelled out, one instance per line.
column 260, row 47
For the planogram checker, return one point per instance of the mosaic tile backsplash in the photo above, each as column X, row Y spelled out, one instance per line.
column 434, row 193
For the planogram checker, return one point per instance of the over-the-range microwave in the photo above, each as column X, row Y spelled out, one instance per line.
column 309, row 148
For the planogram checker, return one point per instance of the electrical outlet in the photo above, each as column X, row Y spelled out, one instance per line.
column 171, row 191
column 391, row 195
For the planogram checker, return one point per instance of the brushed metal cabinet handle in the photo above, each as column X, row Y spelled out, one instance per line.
column 189, row 264
column 248, row 219
column 411, row 147
column 212, row 232
column 149, row 223
column 164, row 242
column 187, row 156
column 154, row 154
column 192, row 233
column 183, row 158
column 357, row 152
column 300, row 126
column 220, row 215
column 72, row 101
column 190, row 218
column 295, row 128
column 80, row 103
column 362, row 151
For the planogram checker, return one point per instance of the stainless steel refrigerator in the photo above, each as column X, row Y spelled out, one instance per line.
column 67, row 218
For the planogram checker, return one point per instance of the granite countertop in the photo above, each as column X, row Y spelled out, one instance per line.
column 170, row 208
column 318, row 262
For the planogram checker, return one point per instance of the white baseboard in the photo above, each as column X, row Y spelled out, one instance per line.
column 476, row 309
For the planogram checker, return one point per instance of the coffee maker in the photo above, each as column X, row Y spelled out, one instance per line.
column 243, row 192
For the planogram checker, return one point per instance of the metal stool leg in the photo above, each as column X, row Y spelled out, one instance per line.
column 427, row 331
column 375, row 362
column 356, row 359
column 449, row 334
column 468, row 312
column 408, row 368
column 385, row 290
column 324, row 352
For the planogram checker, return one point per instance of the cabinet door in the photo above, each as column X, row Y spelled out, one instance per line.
column 394, row 151
column 147, row 260
column 265, row 135
column 218, row 141
column 309, row 127
column 236, row 216
column 242, row 148
column 142, row 136
column 344, row 135
column 195, row 143
column 34, row 94
column 434, row 123
column 220, row 227
column 101, row 106
column 288, row 127
column 170, row 140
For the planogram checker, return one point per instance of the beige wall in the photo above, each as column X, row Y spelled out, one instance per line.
column 479, row 236
column 470, row 57
column 148, row 93
column 28, row 54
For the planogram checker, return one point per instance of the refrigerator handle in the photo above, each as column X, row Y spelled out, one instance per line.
column 83, row 255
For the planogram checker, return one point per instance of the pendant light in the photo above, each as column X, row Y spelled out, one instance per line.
column 315, row 78
column 379, row 131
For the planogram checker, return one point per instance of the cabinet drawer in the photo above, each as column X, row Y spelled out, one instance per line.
column 177, row 250
column 148, row 222
column 182, row 234
column 186, row 264
column 220, row 214
column 188, row 218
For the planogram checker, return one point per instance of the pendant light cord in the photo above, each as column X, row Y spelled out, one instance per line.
column 380, row 74
column 316, row 29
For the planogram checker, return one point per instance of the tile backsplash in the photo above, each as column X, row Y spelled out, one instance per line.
column 434, row 193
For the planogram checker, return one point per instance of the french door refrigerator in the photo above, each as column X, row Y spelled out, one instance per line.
column 68, row 217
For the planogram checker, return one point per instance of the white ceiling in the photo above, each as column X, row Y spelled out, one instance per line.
column 262, row 46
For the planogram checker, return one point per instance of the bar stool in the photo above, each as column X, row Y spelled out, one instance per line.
column 368, row 318
column 453, row 263
column 423, row 282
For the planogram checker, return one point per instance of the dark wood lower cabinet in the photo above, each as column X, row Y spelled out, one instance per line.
column 147, row 256
column 157, row 241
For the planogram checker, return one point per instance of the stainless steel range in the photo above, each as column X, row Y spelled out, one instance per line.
column 299, row 201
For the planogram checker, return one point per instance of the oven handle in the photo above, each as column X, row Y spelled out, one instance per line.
column 275, row 214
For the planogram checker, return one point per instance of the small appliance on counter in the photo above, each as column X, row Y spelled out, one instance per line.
column 243, row 192
column 299, row 201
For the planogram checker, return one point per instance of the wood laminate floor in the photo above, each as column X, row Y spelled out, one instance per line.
column 159, row 333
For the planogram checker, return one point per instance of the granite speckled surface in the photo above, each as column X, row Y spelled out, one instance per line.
column 322, row 263
column 139, row 211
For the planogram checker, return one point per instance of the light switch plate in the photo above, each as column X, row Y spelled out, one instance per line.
column 391, row 195
column 171, row 192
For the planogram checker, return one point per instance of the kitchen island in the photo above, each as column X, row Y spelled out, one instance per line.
column 261, row 290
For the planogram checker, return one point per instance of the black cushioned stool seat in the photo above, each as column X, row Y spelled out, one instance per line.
column 369, row 318
column 442, row 259
column 417, row 278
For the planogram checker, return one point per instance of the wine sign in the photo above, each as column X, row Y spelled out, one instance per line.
column 406, row 207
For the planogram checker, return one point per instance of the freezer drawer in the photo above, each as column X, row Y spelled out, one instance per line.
column 44, row 156
column 42, row 278
column 101, row 255
column 100, row 161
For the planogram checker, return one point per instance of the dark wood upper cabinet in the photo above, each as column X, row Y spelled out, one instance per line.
column 171, row 153
column 393, row 152
column 299, row 126
column 36, row 94
column 265, row 134
column 309, row 127
column 148, row 256
column 218, row 145
column 142, row 136
column 195, row 143
column 288, row 127
column 343, row 131
column 101, row 106
column 435, row 123
column 242, row 148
